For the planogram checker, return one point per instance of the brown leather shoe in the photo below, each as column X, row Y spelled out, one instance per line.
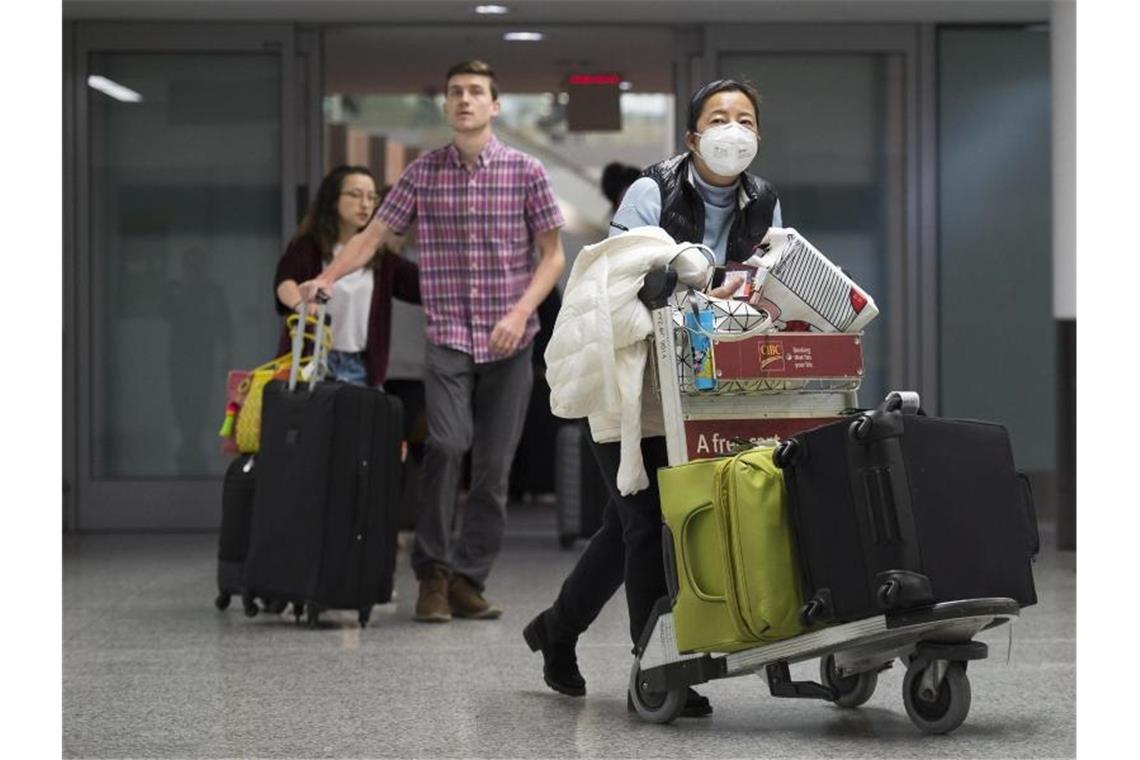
column 467, row 602
column 431, row 606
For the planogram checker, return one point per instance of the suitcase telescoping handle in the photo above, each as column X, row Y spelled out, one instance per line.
column 905, row 402
column 299, row 343
column 898, row 402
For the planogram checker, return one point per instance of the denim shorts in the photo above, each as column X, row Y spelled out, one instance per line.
column 348, row 367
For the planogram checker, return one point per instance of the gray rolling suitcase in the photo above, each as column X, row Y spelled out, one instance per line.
column 580, row 494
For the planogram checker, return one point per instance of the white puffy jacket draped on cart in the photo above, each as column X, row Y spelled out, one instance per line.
column 595, row 361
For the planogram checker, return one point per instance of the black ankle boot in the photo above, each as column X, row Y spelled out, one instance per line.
column 560, row 663
column 696, row 705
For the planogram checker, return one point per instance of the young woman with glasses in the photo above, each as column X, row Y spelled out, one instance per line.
column 361, row 302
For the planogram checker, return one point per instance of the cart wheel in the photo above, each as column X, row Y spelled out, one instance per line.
column 851, row 691
column 655, row 707
column 222, row 602
column 312, row 615
column 786, row 454
column 566, row 540
column 938, row 713
column 860, row 429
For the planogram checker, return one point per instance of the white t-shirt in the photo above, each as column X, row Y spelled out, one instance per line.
column 349, row 307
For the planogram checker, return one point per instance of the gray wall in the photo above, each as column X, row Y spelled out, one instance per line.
column 995, row 235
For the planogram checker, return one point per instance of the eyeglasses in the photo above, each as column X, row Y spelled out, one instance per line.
column 359, row 195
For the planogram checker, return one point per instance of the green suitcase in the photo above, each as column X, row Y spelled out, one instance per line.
column 764, row 591
column 737, row 578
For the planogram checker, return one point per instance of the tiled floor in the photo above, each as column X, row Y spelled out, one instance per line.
column 150, row 669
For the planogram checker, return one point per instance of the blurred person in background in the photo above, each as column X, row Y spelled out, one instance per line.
column 616, row 179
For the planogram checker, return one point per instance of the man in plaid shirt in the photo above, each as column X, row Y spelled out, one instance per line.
column 481, row 209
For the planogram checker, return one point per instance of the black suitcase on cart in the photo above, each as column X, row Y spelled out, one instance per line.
column 894, row 509
column 325, row 508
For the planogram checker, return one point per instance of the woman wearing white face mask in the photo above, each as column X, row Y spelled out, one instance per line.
column 705, row 195
column 701, row 196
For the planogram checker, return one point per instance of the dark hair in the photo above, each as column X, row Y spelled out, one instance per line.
column 616, row 178
column 321, row 222
column 697, row 102
column 475, row 66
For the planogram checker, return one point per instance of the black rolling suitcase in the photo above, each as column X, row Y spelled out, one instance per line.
column 324, row 513
column 233, row 539
column 894, row 509
column 580, row 495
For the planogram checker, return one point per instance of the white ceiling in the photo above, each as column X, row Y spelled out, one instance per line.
column 407, row 45
column 563, row 11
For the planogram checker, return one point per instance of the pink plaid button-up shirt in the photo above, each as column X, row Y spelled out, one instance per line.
column 476, row 235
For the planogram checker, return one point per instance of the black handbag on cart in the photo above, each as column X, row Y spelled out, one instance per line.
column 328, row 488
column 894, row 509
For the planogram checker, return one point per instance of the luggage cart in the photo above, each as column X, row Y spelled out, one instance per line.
column 766, row 385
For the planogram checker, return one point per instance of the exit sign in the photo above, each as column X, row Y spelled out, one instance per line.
column 595, row 102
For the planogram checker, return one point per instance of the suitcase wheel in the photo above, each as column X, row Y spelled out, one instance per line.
column 363, row 617
column 811, row 612
column 860, row 429
column 889, row 594
column 787, row 453
column 936, row 707
column 249, row 605
column 222, row 601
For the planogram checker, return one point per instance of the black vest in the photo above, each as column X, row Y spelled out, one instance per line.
column 683, row 210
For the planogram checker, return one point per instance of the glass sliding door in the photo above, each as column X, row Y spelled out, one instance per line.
column 188, row 186
column 184, row 194
column 834, row 122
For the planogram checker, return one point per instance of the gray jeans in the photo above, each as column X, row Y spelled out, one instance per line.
column 476, row 407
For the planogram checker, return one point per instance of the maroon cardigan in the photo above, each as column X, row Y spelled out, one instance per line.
column 395, row 277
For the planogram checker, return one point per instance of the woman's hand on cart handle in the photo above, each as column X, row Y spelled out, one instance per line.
column 732, row 282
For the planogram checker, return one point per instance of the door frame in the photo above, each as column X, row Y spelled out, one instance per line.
column 93, row 504
column 912, row 345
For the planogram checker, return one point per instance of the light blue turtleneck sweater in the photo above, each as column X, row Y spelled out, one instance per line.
column 641, row 206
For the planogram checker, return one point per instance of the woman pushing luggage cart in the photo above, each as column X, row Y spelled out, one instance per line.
column 755, row 568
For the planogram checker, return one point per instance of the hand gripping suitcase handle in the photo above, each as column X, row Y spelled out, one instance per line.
column 299, row 343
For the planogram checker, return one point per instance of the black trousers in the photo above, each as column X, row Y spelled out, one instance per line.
column 627, row 548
